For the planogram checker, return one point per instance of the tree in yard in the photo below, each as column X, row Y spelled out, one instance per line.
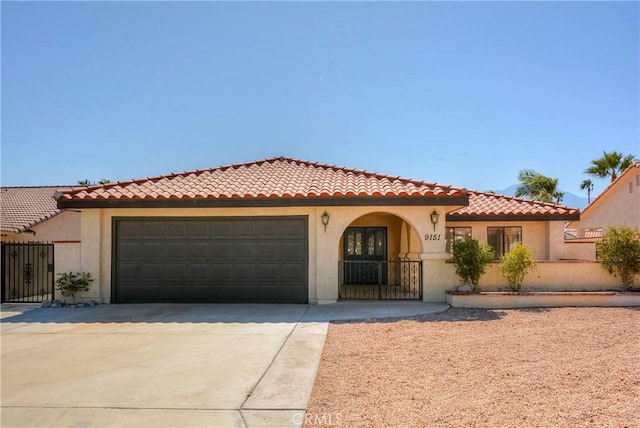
column 471, row 258
column 619, row 251
column 516, row 263
column 611, row 164
column 588, row 186
column 539, row 187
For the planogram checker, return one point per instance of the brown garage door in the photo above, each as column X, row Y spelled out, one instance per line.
column 239, row 259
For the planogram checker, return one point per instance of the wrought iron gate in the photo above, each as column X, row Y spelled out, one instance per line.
column 381, row 280
column 27, row 272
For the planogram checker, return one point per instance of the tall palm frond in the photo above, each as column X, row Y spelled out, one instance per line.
column 611, row 164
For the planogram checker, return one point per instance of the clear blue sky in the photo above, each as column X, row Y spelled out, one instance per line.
column 462, row 93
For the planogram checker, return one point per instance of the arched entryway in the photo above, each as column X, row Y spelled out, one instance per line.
column 379, row 259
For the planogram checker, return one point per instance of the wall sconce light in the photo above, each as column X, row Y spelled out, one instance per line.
column 434, row 219
column 325, row 220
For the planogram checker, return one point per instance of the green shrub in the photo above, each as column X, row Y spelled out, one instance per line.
column 69, row 283
column 471, row 258
column 516, row 264
column 619, row 251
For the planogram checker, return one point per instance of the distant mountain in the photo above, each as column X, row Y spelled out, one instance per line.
column 570, row 199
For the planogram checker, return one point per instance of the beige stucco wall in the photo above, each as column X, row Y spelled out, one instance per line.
column 618, row 206
column 64, row 231
column 546, row 237
column 67, row 257
column 324, row 247
column 557, row 276
column 62, row 227
column 579, row 250
column 407, row 227
column 548, row 276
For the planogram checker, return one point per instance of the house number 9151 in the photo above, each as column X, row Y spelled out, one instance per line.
column 432, row 237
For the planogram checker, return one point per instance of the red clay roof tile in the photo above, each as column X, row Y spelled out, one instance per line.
column 24, row 207
column 269, row 178
column 490, row 204
column 290, row 178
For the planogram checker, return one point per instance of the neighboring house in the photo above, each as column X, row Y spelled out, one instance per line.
column 618, row 205
column 286, row 230
column 38, row 240
column 31, row 214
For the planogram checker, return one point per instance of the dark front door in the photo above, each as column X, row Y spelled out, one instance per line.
column 364, row 249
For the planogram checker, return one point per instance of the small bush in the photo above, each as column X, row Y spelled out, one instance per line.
column 471, row 258
column 516, row 264
column 619, row 252
column 69, row 284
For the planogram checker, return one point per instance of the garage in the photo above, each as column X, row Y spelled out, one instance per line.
column 212, row 259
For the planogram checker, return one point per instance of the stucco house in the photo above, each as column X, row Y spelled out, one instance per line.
column 31, row 214
column 38, row 241
column 617, row 205
column 287, row 230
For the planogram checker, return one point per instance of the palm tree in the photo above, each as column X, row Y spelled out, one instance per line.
column 588, row 186
column 610, row 164
column 104, row 181
column 539, row 187
column 84, row 182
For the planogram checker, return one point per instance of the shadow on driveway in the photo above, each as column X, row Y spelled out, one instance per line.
column 165, row 313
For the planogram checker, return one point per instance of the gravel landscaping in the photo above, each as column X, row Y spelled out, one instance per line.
column 482, row 368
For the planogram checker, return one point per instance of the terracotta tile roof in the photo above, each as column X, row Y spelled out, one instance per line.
column 593, row 233
column 485, row 205
column 588, row 233
column 286, row 178
column 270, row 178
column 24, row 207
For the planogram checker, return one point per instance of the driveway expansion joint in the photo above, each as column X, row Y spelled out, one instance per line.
column 274, row 358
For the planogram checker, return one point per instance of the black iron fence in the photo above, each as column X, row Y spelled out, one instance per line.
column 27, row 272
column 381, row 280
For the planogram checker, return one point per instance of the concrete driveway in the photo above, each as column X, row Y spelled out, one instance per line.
column 170, row 365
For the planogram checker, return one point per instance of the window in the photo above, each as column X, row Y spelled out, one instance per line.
column 456, row 234
column 502, row 239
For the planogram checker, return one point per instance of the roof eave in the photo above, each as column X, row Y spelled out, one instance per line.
column 267, row 202
column 513, row 217
column 24, row 227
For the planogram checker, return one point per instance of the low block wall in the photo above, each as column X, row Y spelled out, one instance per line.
column 500, row 300
column 555, row 276
column 565, row 275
